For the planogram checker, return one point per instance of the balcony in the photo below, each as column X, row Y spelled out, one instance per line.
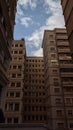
column 66, row 83
column 65, row 50
column 66, row 74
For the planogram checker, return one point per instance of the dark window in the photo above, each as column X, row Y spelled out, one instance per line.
column 18, row 84
column 9, row 120
column 16, row 120
column 17, row 94
column 16, row 107
column 13, row 75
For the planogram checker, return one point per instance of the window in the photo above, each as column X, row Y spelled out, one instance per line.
column 21, row 45
column 19, row 75
column 53, row 55
column 60, row 125
column 13, row 75
column 9, row 120
column 18, row 84
column 12, row 84
column 16, row 107
column 50, row 36
column 19, row 66
column 17, row 94
column 67, row 100
column 56, row 83
column 11, row 94
column 52, row 48
column 16, row 45
column 59, row 112
column 20, row 52
column 6, row 106
column 15, row 52
column 69, row 112
column 16, row 120
column 71, row 125
column 14, row 67
column 10, row 106
column 58, row 101
column 56, row 90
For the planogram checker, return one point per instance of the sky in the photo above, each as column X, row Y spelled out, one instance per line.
column 32, row 18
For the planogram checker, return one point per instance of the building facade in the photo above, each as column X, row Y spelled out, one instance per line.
column 25, row 100
column 13, row 109
column 67, row 6
column 58, row 79
column 34, row 91
column 7, row 20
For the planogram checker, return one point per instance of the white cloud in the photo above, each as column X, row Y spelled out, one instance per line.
column 38, row 52
column 26, row 21
column 55, row 20
column 26, row 3
column 19, row 11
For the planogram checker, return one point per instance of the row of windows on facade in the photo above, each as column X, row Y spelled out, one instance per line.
column 17, row 52
column 58, row 101
column 35, row 117
column 15, row 84
column 61, row 56
column 34, row 87
column 20, row 66
column 13, row 94
column 35, row 70
column 34, row 75
column 12, row 120
column 17, row 58
column 34, row 94
column 17, row 45
column 68, row 69
column 34, row 65
column 15, row 106
column 16, row 75
column 34, row 81
column 35, row 108
column 59, row 112
column 12, row 106
column 66, row 61
column 33, row 60
column 69, row 79
column 68, row 89
column 26, row 118
column 16, row 66
column 26, row 100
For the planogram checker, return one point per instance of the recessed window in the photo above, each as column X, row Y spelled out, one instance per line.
column 16, row 107
column 16, row 120
column 11, row 94
column 56, row 90
column 16, row 45
column 12, row 84
column 17, row 94
column 9, row 120
column 18, row 84
column 20, row 52
column 13, row 75
column 14, row 67
column 21, row 45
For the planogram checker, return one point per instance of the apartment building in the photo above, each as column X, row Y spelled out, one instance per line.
column 58, row 79
column 7, row 20
column 67, row 6
column 13, row 109
column 34, row 91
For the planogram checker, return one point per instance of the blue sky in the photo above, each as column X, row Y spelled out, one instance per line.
column 32, row 18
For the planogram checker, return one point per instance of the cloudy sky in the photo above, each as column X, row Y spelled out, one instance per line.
column 32, row 18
